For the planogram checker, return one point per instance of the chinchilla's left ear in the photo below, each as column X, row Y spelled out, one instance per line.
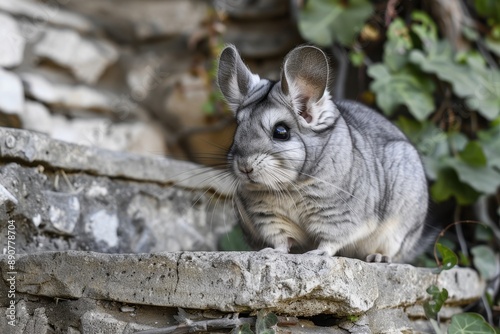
column 234, row 78
column 304, row 79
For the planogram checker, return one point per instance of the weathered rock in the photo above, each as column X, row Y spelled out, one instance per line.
column 134, row 137
column 41, row 14
column 25, row 323
column 37, row 117
column 33, row 148
column 97, row 204
column 86, row 58
column 67, row 210
column 11, row 98
column 263, row 39
column 260, row 9
column 79, row 97
column 139, row 20
column 11, row 42
column 302, row 285
column 64, row 211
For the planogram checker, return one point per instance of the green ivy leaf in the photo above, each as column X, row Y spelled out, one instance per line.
column 477, row 84
column 482, row 179
column 448, row 257
column 490, row 141
column 407, row 87
column 432, row 307
column 473, row 154
column 488, row 8
column 327, row 21
column 243, row 329
column 449, row 185
column 493, row 45
column 424, row 27
column 469, row 323
column 265, row 322
column 398, row 45
column 485, row 261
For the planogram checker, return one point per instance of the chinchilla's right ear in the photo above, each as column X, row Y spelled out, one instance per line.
column 234, row 78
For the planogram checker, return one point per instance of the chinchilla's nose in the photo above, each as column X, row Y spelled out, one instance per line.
column 244, row 166
column 245, row 169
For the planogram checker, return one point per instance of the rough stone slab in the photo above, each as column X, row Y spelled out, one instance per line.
column 11, row 42
column 32, row 148
column 301, row 285
column 50, row 13
column 86, row 58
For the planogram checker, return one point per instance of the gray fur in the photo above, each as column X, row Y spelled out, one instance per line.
column 347, row 182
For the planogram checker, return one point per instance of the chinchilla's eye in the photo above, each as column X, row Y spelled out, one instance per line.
column 281, row 132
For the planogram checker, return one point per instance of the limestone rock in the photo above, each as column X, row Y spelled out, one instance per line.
column 301, row 285
column 78, row 97
column 86, row 58
column 32, row 148
column 7, row 202
column 47, row 13
column 26, row 323
column 258, row 10
column 37, row 117
column 11, row 42
column 11, row 98
column 64, row 211
column 140, row 20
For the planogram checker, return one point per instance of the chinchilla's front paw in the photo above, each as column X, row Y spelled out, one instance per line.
column 378, row 258
column 274, row 250
column 320, row 252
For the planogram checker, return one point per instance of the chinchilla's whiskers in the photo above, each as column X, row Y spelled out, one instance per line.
column 278, row 171
column 220, row 176
column 281, row 189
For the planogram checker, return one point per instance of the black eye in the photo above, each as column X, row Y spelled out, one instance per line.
column 281, row 132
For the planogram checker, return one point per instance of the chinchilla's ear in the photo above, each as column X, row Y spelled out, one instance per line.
column 304, row 78
column 234, row 78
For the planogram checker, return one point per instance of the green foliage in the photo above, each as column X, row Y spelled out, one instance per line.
column 405, row 86
column 265, row 322
column 244, row 329
column 327, row 21
column 469, row 323
column 433, row 306
column 485, row 261
column 461, row 168
column 448, row 258
column 463, row 323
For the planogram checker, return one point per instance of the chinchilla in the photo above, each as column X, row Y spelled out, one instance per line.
column 331, row 177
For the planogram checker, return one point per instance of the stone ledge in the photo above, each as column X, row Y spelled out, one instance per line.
column 32, row 148
column 300, row 285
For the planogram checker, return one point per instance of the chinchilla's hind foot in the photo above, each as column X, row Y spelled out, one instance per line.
column 378, row 258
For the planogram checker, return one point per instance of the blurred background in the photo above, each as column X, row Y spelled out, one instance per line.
column 138, row 76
